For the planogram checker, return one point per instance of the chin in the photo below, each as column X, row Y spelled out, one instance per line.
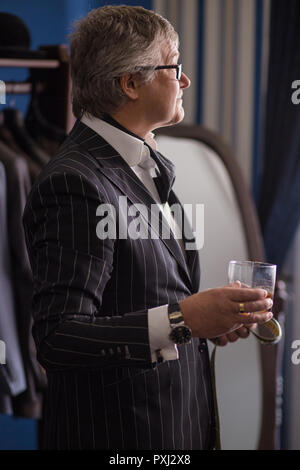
column 171, row 121
column 177, row 118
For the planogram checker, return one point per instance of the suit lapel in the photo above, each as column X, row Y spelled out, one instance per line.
column 115, row 168
column 188, row 238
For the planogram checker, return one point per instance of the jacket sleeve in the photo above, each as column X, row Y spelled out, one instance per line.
column 71, row 267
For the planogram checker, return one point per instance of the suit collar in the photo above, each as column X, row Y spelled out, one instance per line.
column 116, row 169
column 108, row 156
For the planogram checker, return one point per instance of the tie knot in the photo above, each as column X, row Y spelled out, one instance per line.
column 146, row 162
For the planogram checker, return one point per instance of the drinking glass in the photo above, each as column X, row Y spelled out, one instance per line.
column 254, row 274
column 258, row 275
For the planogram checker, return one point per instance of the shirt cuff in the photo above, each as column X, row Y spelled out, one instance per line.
column 159, row 329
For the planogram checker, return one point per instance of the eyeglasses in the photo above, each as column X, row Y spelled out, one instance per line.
column 178, row 68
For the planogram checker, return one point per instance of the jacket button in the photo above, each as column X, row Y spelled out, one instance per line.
column 202, row 346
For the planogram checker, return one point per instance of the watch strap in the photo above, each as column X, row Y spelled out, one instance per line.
column 180, row 332
column 175, row 314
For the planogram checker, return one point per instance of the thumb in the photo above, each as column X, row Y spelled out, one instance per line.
column 235, row 284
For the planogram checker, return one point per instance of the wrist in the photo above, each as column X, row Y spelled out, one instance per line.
column 185, row 308
column 193, row 315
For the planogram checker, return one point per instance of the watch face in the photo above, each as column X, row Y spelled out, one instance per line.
column 181, row 334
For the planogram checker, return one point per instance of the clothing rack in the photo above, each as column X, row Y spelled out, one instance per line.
column 22, row 88
column 52, row 80
column 30, row 63
column 49, row 79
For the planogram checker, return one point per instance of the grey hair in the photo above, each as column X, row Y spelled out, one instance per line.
column 108, row 43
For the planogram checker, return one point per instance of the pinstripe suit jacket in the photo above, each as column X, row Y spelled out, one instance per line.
column 90, row 305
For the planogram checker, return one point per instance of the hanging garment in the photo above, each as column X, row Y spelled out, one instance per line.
column 12, row 375
column 6, row 136
column 14, row 122
column 28, row 404
column 46, row 134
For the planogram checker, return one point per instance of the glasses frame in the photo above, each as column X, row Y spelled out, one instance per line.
column 178, row 68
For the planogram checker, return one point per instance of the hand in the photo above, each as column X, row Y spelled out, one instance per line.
column 216, row 312
column 232, row 337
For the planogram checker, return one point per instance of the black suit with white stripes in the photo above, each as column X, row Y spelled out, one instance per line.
column 90, row 304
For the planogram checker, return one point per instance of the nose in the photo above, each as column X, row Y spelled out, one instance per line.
column 184, row 81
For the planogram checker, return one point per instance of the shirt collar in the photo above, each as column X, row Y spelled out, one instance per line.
column 129, row 146
column 110, row 120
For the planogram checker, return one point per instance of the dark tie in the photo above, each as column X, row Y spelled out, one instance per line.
column 161, row 188
column 161, row 180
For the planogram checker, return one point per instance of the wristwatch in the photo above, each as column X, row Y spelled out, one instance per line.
column 180, row 332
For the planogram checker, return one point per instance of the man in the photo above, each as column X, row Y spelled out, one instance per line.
column 113, row 311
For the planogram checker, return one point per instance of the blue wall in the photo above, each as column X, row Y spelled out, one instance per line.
column 49, row 22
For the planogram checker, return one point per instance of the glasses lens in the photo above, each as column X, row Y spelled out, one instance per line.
column 179, row 70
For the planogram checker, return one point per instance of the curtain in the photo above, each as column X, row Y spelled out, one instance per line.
column 279, row 201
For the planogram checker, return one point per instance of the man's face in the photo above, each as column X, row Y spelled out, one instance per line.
column 162, row 98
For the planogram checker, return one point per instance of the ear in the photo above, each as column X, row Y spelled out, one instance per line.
column 129, row 86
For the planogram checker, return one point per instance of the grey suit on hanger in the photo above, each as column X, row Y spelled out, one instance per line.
column 18, row 187
column 12, row 376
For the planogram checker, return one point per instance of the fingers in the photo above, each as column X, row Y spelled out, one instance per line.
column 244, row 294
column 221, row 340
column 238, row 284
column 243, row 332
column 234, row 284
column 257, row 306
column 258, row 317
column 231, row 337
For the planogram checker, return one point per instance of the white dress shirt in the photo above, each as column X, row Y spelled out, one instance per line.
column 135, row 152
